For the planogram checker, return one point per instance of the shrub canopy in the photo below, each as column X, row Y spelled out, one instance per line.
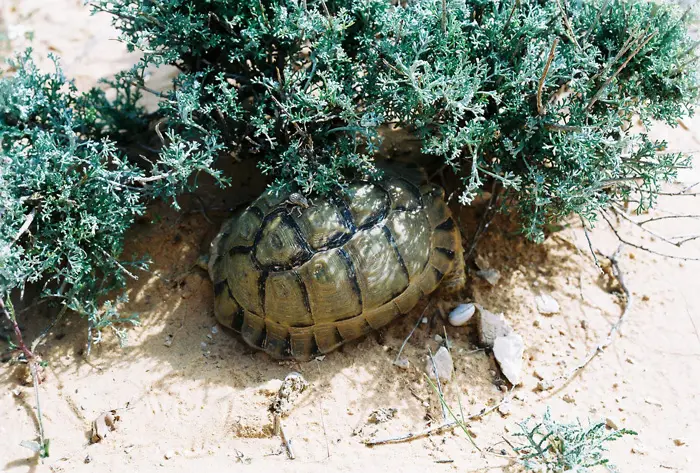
column 538, row 97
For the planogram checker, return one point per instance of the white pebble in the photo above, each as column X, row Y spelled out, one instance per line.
column 508, row 352
column 546, row 304
column 440, row 366
column 461, row 314
column 424, row 320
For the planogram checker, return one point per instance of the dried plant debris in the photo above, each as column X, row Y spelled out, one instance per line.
column 103, row 425
column 292, row 387
column 381, row 415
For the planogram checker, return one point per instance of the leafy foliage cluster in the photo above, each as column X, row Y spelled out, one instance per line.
column 536, row 96
column 539, row 96
column 552, row 446
column 68, row 193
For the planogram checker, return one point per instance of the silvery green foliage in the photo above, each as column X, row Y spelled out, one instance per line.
column 68, row 193
column 551, row 446
column 304, row 86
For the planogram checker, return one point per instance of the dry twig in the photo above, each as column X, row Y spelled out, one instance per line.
column 444, row 426
column 567, row 24
column 605, row 342
column 640, row 247
column 403, row 345
column 484, row 223
column 43, row 445
column 619, row 69
column 541, row 108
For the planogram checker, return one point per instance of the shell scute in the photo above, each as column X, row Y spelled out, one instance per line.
column 374, row 253
column 368, row 203
column 332, row 287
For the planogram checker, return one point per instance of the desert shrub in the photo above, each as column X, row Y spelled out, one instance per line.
column 68, row 193
column 548, row 445
column 539, row 96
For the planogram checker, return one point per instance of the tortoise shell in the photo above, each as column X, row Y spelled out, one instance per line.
column 298, row 280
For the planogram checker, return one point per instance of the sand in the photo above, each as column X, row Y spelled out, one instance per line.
column 190, row 395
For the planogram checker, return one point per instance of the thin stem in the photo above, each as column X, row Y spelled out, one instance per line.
column 443, row 20
column 667, row 217
column 590, row 245
column 516, row 3
column 640, row 247
column 119, row 265
column 567, row 25
column 597, row 19
column 609, row 338
column 619, row 69
column 439, row 386
column 403, row 345
column 620, row 212
column 9, row 315
column 540, row 108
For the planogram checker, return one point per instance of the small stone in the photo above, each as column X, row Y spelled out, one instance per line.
column 169, row 454
column 491, row 326
column 443, row 365
column 210, row 337
column 569, row 399
column 203, row 345
column 612, row 423
column 402, row 363
column 508, row 352
column 461, row 314
column 215, row 330
column 678, row 442
column 490, row 275
column 438, row 338
column 546, row 304
column 168, row 341
column 536, row 323
column 424, row 320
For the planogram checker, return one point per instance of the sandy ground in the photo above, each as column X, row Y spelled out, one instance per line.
column 203, row 401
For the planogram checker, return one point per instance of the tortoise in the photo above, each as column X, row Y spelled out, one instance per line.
column 299, row 282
